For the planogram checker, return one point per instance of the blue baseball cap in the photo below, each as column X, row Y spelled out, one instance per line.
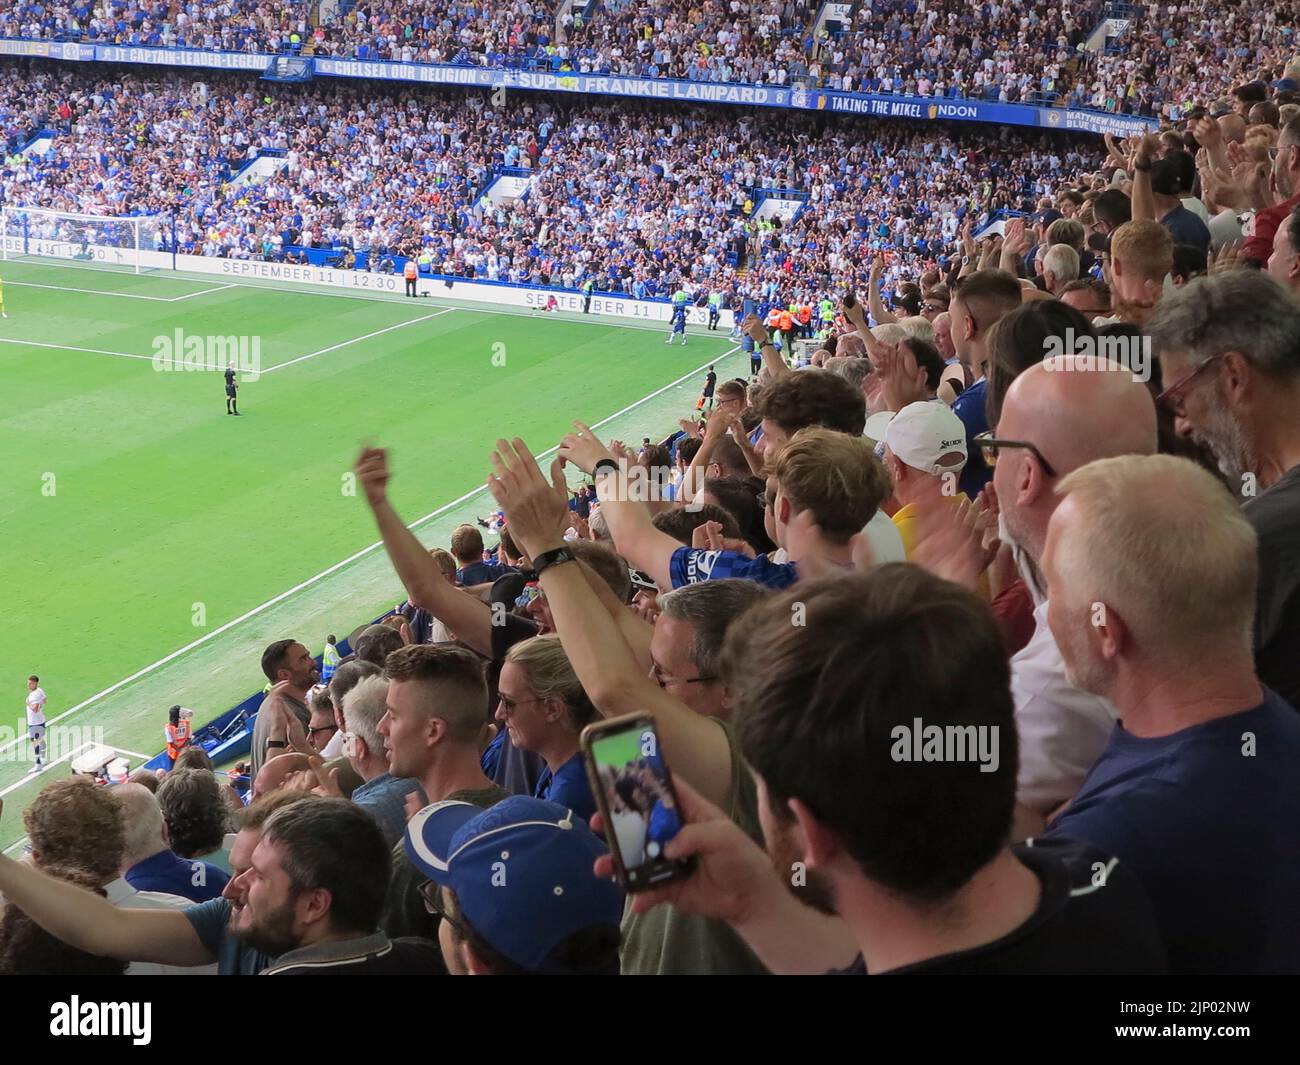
column 521, row 871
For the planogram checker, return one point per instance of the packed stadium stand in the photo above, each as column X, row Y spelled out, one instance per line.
column 972, row 572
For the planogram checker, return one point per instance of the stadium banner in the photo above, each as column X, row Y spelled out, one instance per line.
column 47, row 49
column 672, row 90
column 359, row 282
column 182, row 57
column 500, row 293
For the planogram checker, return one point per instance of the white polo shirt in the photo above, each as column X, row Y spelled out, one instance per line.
column 123, row 895
column 1062, row 729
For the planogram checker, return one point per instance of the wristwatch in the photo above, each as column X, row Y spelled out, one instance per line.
column 604, row 464
column 552, row 558
column 276, row 743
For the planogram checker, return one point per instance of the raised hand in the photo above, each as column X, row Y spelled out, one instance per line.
column 1207, row 133
column 951, row 540
column 534, row 509
column 327, row 780
column 733, row 874
column 754, row 328
column 1148, row 148
column 902, row 381
column 583, row 448
column 1227, row 257
column 718, row 423
column 1014, row 238
column 967, row 242
column 371, row 469
column 709, row 536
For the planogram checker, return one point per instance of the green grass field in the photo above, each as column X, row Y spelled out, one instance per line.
column 151, row 545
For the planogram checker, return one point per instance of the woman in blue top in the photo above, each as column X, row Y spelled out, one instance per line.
column 544, row 709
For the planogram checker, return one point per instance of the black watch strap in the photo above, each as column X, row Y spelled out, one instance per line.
column 602, row 466
column 552, row 558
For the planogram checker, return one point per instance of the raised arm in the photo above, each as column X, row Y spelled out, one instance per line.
column 855, row 316
column 693, row 480
column 1014, row 245
column 599, row 654
column 772, row 361
column 1210, row 137
column 634, row 534
column 91, row 923
column 1144, row 201
column 874, row 302
column 969, row 253
column 469, row 618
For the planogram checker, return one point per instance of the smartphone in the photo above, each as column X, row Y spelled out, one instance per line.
column 634, row 791
column 849, row 300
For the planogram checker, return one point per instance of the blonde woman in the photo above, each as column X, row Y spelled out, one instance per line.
column 543, row 709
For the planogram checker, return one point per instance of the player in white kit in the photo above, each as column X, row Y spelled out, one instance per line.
column 36, row 720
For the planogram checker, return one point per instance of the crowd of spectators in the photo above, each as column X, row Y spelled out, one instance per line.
column 638, row 198
column 1003, row 679
column 1170, row 56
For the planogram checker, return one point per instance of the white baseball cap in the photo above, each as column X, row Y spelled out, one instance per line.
column 922, row 434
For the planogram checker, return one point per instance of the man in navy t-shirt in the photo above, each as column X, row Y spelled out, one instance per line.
column 1197, row 790
column 471, row 570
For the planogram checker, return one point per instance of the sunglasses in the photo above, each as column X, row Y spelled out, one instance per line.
column 990, row 447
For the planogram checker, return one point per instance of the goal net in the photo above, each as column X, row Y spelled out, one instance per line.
column 128, row 243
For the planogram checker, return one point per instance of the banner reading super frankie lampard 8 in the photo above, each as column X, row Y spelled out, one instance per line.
column 921, row 108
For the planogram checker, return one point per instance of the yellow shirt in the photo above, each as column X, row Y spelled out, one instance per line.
column 904, row 520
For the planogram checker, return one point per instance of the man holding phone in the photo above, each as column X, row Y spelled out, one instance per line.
column 701, row 749
column 865, row 845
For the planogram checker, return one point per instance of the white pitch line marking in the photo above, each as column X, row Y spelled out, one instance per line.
column 152, row 667
column 70, row 347
column 357, row 340
column 201, row 292
column 92, row 291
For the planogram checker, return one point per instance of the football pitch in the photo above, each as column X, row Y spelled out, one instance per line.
column 151, row 545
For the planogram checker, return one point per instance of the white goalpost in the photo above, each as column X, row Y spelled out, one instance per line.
column 124, row 243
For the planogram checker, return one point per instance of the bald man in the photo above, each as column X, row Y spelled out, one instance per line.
column 1196, row 790
column 1057, row 419
column 1233, row 127
column 275, row 771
